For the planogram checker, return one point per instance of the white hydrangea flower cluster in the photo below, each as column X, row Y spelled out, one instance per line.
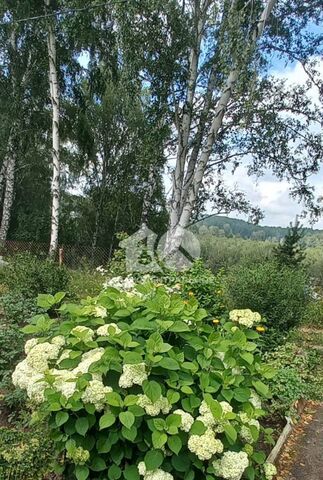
column 100, row 312
column 270, row 471
column 186, row 420
column 95, row 393
column 205, row 446
column 255, row 400
column 154, row 408
column 124, row 284
column 39, row 356
column 87, row 359
column 206, row 416
column 158, row 474
column 104, row 330
column 231, row 465
column 29, row 374
column 30, row 344
column 83, row 332
column 133, row 374
column 245, row 317
column 58, row 340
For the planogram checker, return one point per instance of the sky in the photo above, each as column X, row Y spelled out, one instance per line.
column 270, row 194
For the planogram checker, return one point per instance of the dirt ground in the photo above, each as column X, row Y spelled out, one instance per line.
column 302, row 457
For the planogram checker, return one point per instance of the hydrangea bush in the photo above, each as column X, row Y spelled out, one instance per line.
column 142, row 384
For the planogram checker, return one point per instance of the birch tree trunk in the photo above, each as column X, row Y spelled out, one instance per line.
column 54, row 94
column 190, row 167
column 10, row 163
column 7, row 174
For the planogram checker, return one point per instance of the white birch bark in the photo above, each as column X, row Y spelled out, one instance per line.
column 187, row 189
column 54, row 94
column 9, row 164
column 8, row 192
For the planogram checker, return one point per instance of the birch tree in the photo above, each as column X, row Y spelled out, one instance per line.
column 18, row 70
column 222, row 63
column 55, row 101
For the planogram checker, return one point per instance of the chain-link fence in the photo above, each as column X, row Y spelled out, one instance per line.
column 73, row 256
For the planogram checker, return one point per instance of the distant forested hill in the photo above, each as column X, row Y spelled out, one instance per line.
column 232, row 227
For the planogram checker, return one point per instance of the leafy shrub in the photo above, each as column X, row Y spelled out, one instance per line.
column 279, row 294
column 24, row 455
column 85, row 283
column 18, row 309
column 140, row 383
column 314, row 314
column 203, row 284
column 221, row 252
column 295, row 376
column 26, row 275
column 11, row 348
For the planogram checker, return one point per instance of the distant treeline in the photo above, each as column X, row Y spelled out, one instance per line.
column 232, row 227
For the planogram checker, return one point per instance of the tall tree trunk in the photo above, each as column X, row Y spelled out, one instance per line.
column 10, row 164
column 54, row 94
column 189, row 170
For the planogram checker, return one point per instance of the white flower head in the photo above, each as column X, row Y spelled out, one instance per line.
column 205, row 446
column 100, row 312
column 30, row 344
column 88, row 358
column 142, row 468
column 133, row 374
column 108, row 329
column 245, row 317
column 40, row 354
column 154, row 408
column 232, row 465
column 270, row 471
column 95, row 393
column 186, row 420
column 84, row 333
column 59, row 340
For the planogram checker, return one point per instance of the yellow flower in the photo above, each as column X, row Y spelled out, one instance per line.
column 260, row 329
column 215, row 321
column 191, row 294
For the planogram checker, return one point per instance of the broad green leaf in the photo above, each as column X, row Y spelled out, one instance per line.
column 247, row 357
column 61, row 418
column 152, row 390
column 159, row 439
column 98, row 464
column 106, row 420
column 173, row 420
column 172, row 396
column 114, row 472
column 131, row 473
column 181, row 463
column 114, row 399
column 261, row 388
column 127, row 419
column 179, row 327
column 153, row 459
column 82, row 472
column 131, row 358
column 82, row 425
column 174, row 443
column 241, row 394
column 169, row 363
column 230, row 433
column 198, row 428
